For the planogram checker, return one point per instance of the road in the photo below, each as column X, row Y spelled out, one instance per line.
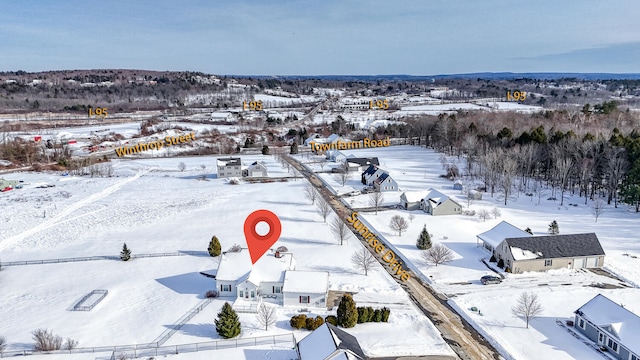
column 462, row 337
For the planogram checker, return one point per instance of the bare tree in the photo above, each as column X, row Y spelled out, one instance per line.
column 597, row 207
column 339, row 229
column 3, row 344
column 496, row 212
column 182, row 166
column 399, row 224
column 375, row 200
column 310, row 193
column 46, row 340
column 527, row 307
column 484, row 214
column 343, row 174
column 322, row 162
column 438, row 254
column 509, row 171
column 411, row 217
column 323, row 208
column 266, row 315
column 564, row 168
column 363, row 260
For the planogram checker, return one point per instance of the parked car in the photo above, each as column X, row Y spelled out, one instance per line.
column 490, row 279
column 355, row 193
column 6, row 189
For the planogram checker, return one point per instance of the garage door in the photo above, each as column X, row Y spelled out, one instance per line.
column 592, row 262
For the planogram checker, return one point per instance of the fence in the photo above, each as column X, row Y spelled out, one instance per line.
column 183, row 320
column 79, row 307
column 101, row 257
column 151, row 350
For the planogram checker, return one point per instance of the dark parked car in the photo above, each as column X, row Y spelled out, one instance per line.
column 490, row 279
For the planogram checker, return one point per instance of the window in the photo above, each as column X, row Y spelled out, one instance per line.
column 600, row 337
column 253, row 294
column 241, row 293
column 548, row 262
column 581, row 324
column 277, row 289
column 633, row 357
column 613, row 345
column 225, row 287
column 304, row 299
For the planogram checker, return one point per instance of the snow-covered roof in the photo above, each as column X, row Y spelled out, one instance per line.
column 309, row 282
column 414, row 196
column 230, row 161
column 328, row 340
column 613, row 318
column 236, row 266
column 500, row 232
column 523, row 254
column 436, row 198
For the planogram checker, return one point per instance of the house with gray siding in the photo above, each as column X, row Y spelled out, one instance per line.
column 229, row 167
column 385, row 183
column 611, row 326
column 410, row 200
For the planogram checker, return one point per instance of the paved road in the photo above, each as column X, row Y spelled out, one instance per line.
column 463, row 339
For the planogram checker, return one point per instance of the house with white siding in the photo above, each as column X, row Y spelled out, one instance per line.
column 273, row 276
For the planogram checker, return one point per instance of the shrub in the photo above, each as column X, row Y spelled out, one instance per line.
column 211, row 294
column 385, row 314
column 331, row 320
column 501, row 264
column 298, row 321
column 46, row 341
column 363, row 315
column 214, row 247
column 312, row 324
column 347, row 312
column 377, row 315
column 493, row 258
column 235, row 248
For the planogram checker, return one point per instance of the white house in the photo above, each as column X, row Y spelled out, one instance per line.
column 257, row 169
column 437, row 203
column 272, row 276
column 229, row 167
column 306, row 288
column 237, row 278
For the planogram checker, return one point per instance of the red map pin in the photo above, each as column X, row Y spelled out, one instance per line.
column 259, row 244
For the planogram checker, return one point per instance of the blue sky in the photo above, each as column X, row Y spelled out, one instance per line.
column 286, row 37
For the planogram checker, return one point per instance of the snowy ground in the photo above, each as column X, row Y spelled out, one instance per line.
column 155, row 208
column 561, row 291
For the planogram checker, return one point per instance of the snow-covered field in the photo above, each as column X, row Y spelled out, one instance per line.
column 155, row 208
column 560, row 291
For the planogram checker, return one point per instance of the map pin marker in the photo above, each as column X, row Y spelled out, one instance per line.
column 259, row 244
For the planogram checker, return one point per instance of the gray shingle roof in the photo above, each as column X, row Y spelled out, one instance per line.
column 559, row 246
column 364, row 161
column 347, row 341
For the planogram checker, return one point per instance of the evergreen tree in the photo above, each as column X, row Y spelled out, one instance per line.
column 347, row 312
column 125, row 254
column 294, row 148
column 228, row 324
column 214, row 246
column 424, row 240
column 553, row 228
column 265, row 150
